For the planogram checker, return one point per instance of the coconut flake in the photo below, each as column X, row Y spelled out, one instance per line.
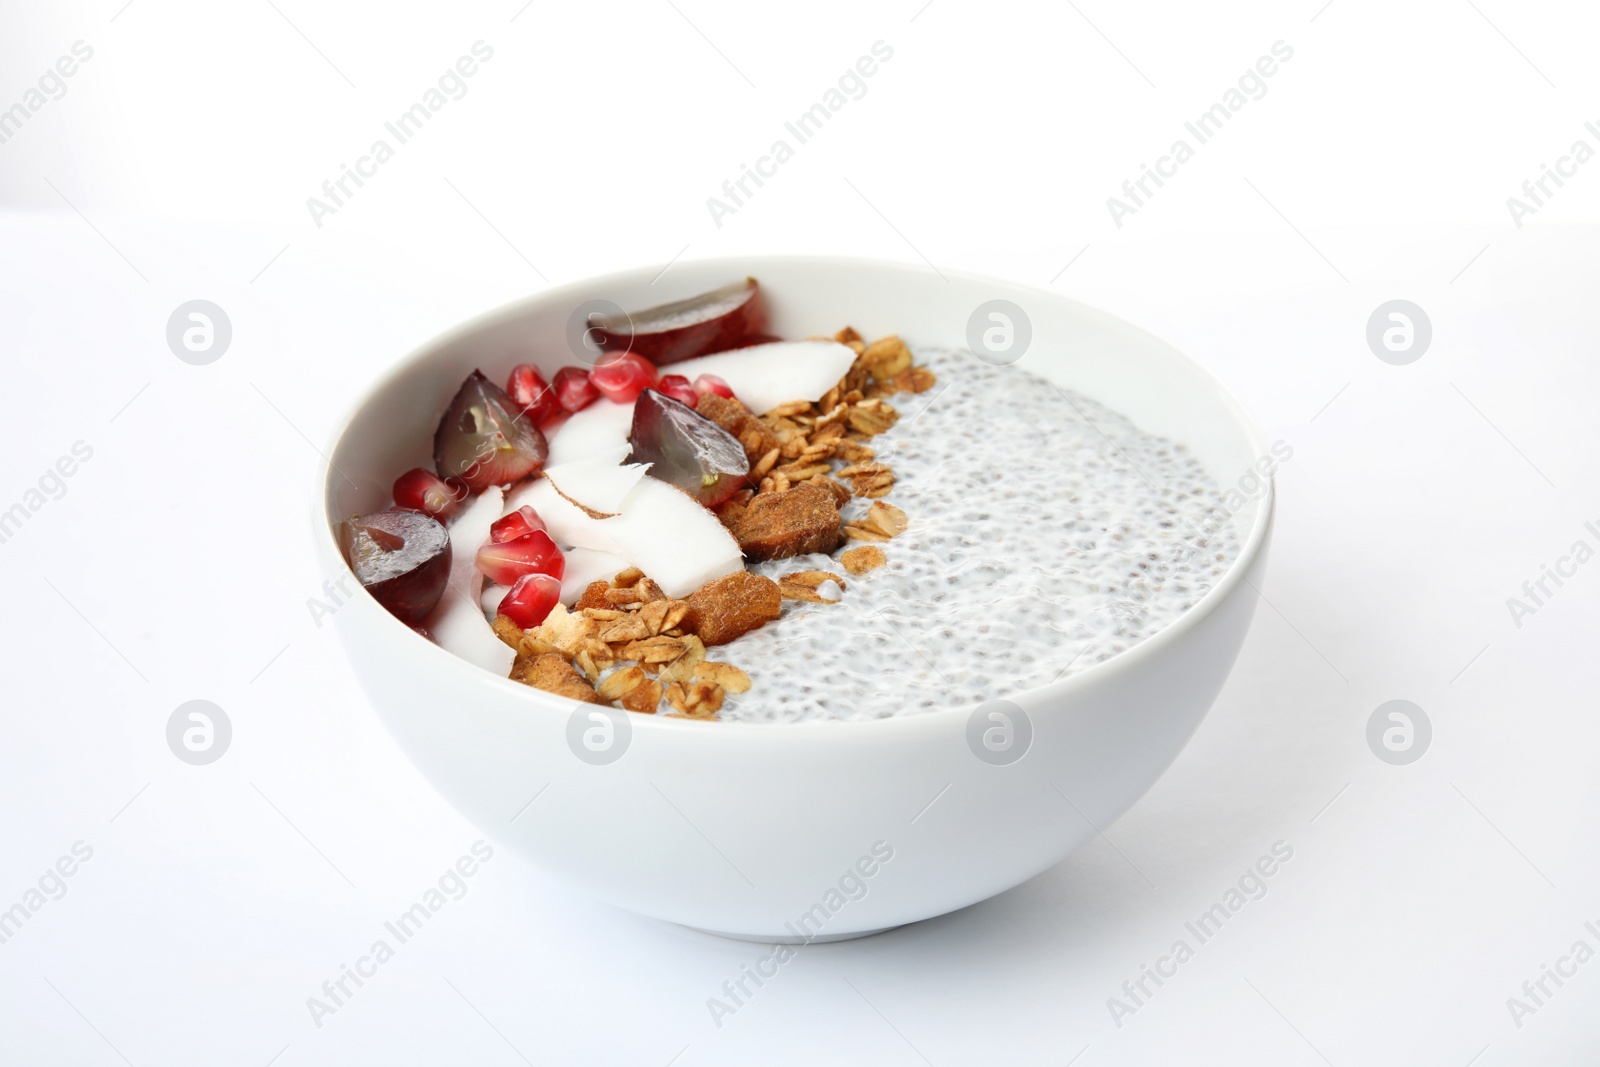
column 764, row 376
column 669, row 536
column 566, row 523
column 598, row 486
column 458, row 623
column 600, row 429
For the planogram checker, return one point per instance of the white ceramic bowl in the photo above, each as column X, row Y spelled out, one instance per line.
column 780, row 831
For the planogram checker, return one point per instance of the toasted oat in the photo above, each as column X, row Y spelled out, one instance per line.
column 661, row 615
column 793, row 407
column 620, row 683
column 765, row 464
column 554, row 674
column 624, row 596
column 682, row 669
column 696, row 700
column 870, row 479
column 800, row 471
column 887, row 519
column 591, row 667
column 654, row 650
column 627, row 577
column 886, row 357
column 872, row 417
column 726, row 675
column 649, row 591
column 803, row 585
column 863, row 558
column 644, row 698
column 860, row 532
column 914, row 380
column 630, row 627
column 854, row 452
column 846, row 335
column 507, row 631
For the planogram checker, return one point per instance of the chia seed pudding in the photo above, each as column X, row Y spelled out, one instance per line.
column 668, row 531
column 1046, row 536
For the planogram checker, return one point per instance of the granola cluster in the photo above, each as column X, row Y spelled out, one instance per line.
column 626, row 643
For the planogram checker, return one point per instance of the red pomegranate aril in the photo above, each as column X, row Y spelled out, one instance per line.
column 520, row 522
column 529, row 391
column 622, row 378
column 710, row 383
column 530, row 599
column 532, row 553
column 574, row 391
column 678, row 388
column 419, row 489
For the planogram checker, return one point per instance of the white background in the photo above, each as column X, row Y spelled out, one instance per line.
column 176, row 565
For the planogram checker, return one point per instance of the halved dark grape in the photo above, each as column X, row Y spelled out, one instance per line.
column 710, row 322
column 484, row 438
column 401, row 557
column 687, row 449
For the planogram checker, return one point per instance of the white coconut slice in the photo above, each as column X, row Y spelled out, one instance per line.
column 764, row 376
column 667, row 534
column 585, row 565
column 458, row 623
column 598, row 430
column 598, row 486
column 566, row 523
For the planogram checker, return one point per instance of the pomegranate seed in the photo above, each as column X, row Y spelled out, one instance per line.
column 678, row 388
column 530, row 392
column 419, row 489
column 532, row 553
column 710, row 383
column 574, row 390
column 517, row 524
column 530, row 599
column 622, row 378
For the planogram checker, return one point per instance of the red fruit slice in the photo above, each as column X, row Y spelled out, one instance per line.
column 530, row 392
column 710, row 383
column 678, row 388
column 532, row 553
column 419, row 489
column 522, row 521
column 484, row 439
column 574, row 390
column 401, row 557
column 686, row 449
column 623, row 377
column 530, row 599
column 709, row 322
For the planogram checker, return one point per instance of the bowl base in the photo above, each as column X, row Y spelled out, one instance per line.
column 791, row 939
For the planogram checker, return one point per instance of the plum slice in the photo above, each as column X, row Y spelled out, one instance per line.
column 710, row 322
column 401, row 557
column 686, row 449
column 485, row 438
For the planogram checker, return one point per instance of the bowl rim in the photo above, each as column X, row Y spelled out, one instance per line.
column 1052, row 693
